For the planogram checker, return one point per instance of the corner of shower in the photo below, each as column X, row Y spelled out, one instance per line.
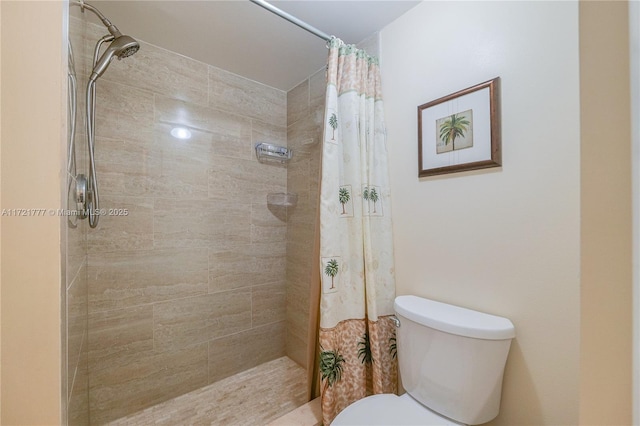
column 166, row 312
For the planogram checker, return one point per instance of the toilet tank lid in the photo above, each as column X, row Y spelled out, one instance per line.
column 454, row 319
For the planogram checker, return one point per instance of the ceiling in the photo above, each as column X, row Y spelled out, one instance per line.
column 244, row 38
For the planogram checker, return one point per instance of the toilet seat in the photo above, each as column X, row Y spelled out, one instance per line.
column 389, row 409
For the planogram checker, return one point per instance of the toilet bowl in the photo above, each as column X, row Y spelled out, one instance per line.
column 389, row 409
column 451, row 362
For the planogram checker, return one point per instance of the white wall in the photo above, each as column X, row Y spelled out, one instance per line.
column 503, row 240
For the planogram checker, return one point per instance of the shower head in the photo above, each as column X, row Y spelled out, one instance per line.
column 121, row 47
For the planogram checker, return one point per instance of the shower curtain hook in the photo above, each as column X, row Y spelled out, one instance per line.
column 334, row 41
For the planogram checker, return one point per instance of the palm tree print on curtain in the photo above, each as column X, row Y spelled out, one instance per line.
column 364, row 350
column 331, row 270
column 393, row 346
column 365, row 197
column 330, row 367
column 373, row 196
column 355, row 316
column 366, row 358
column 333, row 122
column 370, row 196
column 344, row 197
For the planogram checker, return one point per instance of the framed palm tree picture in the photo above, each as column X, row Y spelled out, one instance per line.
column 460, row 131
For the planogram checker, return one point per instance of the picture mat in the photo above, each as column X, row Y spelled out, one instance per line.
column 477, row 101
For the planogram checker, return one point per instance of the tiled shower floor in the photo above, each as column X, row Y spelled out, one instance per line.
column 254, row 397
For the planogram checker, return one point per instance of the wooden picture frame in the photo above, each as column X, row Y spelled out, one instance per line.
column 460, row 131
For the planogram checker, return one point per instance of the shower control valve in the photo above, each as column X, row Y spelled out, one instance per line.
column 80, row 195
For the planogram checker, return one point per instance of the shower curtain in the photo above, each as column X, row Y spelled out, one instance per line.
column 357, row 333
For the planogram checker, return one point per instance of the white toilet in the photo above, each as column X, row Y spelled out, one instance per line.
column 451, row 362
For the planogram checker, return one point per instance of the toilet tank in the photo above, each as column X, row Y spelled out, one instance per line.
column 452, row 359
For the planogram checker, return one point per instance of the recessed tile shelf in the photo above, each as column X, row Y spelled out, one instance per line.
column 273, row 153
column 283, row 199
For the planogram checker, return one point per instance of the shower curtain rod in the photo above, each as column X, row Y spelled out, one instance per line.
column 281, row 13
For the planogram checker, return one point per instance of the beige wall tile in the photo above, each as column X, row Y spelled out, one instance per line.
column 183, row 164
column 78, row 402
column 268, row 303
column 230, row 224
column 160, row 71
column 301, row 230
column 303, row 136
column 122, row 110
column 269, row 133
column 231, row 179
column 231, row 268
column 127, row 166
column 258, row 345
column 196, row 149
column 245, row 180
column 181, row 223
column 230, row 92
column 305, row 132
column 298, row 102
column 297, row 275
column 314, row 176
column 118, row 336
column 317, row 89
column 76, row 38
column 297, row 349
column 298, row 182
column 246, row 265
column 193, row 320
column 175, row 112
column 298, row 317
column 151, row 378
column 298, row 293
column 270, row 261
column 128, row 225
column 224, row 146
column 76, row 318
column 265, row 226
column 297, row 271
column 76, row 247
column 130, row 278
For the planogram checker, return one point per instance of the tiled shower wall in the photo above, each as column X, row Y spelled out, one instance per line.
column 187, row 271
column 77, row 379
column 305, row 111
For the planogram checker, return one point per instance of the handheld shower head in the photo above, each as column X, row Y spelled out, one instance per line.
column 121, row 47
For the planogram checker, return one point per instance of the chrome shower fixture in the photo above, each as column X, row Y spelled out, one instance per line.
column 120, row 46
column 113, row 30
